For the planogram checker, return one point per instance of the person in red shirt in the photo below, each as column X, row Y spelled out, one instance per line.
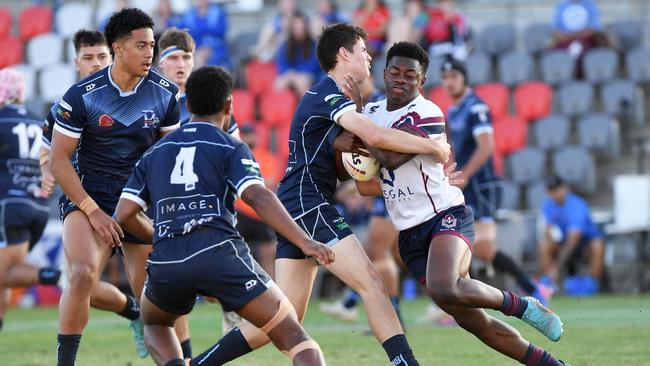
column 446, row 31
column 373, row 16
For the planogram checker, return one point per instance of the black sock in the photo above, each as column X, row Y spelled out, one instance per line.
column 176, row 362
column 230, row 347
column 66, row 349
column 399, row 352
column 503, row 263
column 186, row 346
column 536, row 356
column 131, row 310
column 0, row 324
column 513, row 305
column 48, row 276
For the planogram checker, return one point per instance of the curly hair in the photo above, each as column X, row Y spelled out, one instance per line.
column 122, row 23
column 409, row 50
column 207, row 90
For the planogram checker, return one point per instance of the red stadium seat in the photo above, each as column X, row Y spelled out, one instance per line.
column 496, row 96
column 533, row 100
column 510, row 134
column 244, row 105
column 277, row 107
column 262, row 134
column 282, row 142
column 260, row 76
column 12, row 52
column 35, row 20
column 440, row 97
column 5, row 23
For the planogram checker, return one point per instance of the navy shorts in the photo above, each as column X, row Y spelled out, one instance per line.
column 323, row 224
column 484, row 198
column 22, row 220
column 379, row 207
column 414, row 242
column 105, row 192
column 181, row 268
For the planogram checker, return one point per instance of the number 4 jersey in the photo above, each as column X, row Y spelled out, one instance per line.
column 191, row 178
column 20, row 143
column 417, row 190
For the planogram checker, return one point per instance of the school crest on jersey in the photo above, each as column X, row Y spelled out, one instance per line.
column 150, row 119
column 449, row 221
column 105, row 120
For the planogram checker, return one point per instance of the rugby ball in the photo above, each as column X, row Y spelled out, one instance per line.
column 360, row 167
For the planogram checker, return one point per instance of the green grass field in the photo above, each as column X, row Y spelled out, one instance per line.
column 605, row 330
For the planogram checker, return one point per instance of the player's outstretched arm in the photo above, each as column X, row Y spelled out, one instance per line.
column 61, row 166
column 130, row 217
column 47, row 179
column 393, row 140
column 269, row 208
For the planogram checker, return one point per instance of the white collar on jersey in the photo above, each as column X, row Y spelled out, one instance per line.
column 122, row 93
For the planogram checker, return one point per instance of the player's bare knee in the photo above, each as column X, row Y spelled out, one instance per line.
column 443, row 292
column 82, row 276
column 372, row 284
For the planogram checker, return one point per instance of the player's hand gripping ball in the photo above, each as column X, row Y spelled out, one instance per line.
column 360, row 167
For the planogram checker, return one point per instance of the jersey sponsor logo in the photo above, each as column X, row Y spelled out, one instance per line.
column 340, row 223
column 333, row 98
column 401, row 194
column 105, row 120
column 411, row 106
column 164, row 82
column 250, row 284
column 251, row 166
column 194, row 223
column 449, row 221
column 90, row 87
column 373, row 109
column 150, row 119
column 63, row 113
column 390, row 180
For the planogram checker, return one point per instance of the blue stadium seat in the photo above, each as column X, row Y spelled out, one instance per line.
column 557, row 66
column 628, row 33
column 496, row 39
column 73, row 16
column 510, row 195
column 600, row 64
column 599, row 132
column 535, row 195
column 537, row 37
column 54, row 80
column 637, row 65
column 433, row 73
column 479, row 68
column 552, row 132
column 45, row 49
column 622, row 97
column 29, row 73
column 575, row 98
column 515, row 67
column 527, row 165
column 576, row 166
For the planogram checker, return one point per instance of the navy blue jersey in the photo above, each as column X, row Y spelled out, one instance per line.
column 20, row 143
column 310, row 178
column 467, row 120
column 48, row 126
column 185, row 116
column 115, row 128
column 191, row 179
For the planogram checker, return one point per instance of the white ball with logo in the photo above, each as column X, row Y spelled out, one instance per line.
column 361, row 168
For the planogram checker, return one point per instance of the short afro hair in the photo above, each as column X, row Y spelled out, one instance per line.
column 332, row 39
column 88, row 38
column 409, row 50
column 176, row 37
column 125, row 21
column 207, row 90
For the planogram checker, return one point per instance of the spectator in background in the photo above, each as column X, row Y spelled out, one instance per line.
column 569, row 234
column 409, row 27
column 298, row 66
column 373, row 17
column 577, row 28
column 255, row 232
column 274, row 31
column 327, row 13
column 119, row 5
column 208, row 24
column 446, row 31
column 164, row 17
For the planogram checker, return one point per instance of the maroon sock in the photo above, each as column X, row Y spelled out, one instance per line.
column 513, row 305
column 536, row 356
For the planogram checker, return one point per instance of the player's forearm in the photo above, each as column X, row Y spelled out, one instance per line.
column 478, row 159
column 136, row 224
column 569, row 246
column 371, row 188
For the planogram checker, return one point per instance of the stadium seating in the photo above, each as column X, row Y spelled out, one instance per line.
column 260, row 76
column 241, row 45
column 552, row 132
column 557, row 66
column 479, row 68
column 510, row 134
column 600, row 64
column 244, row 105
column 29, row 74
column 433, row 73
column 440, row 97
column 510, row 195
column 54, row 80
column 527, row 165
column 623, row 98
column 497, row 39
column 535, row 195
column 637, row 65
column 377, row 71
column 515, row 67
column 628, row 33
column 496, row 96
column 34, row 20
column 45, row 49
column 263, row 135
column 147, row 5
column 12, row 52
column 575, row 98
column 277, row 107
column 576, row 166
column 600, row 133
column 533, row 100
column 5, row 22
column 82, row 14
column 537, row 37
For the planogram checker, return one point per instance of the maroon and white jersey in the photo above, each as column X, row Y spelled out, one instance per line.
column 418, row 190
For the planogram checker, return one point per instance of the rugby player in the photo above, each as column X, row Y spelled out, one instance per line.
column 109, row 119
column 436, row 227
column 197, row 249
